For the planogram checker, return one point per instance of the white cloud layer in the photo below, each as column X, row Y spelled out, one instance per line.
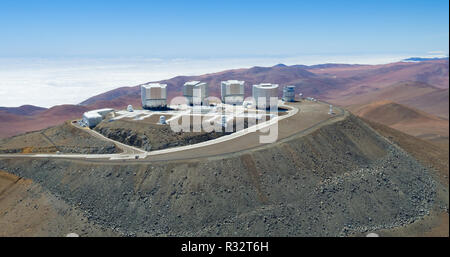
column 49, row 82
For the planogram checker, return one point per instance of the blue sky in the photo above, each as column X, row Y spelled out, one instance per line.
column 221, row 28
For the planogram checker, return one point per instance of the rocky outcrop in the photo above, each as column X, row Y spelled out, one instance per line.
column 155, row 142
column 151, row 137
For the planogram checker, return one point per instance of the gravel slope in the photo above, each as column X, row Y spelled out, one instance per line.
column 64, row 138
column 339, row 180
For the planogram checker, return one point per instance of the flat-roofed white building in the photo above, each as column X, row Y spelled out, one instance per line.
column 289, row 93
column 232, row 91
column 262, row 93
column 195, row 92
column 154, row 96
column 94, row 117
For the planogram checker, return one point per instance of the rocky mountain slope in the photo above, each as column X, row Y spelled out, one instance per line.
column 341, row 179
column 151, row 136
column 28, row 209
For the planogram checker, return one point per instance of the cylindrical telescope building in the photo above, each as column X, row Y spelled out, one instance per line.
column 232, row 92
column 195, row 92
column 154, row 96
column 263, row 93
column 289, row 93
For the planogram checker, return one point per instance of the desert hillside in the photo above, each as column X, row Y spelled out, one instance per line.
column 403, row 118
column 344, row 171
column 414, row 94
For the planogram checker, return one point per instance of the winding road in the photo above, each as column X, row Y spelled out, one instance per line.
column 301, row 119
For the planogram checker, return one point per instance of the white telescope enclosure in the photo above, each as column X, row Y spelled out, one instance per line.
column 195, row 92
column 232, row 92
column 154, row 95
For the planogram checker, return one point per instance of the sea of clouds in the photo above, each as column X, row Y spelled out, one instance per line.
column 52, row 81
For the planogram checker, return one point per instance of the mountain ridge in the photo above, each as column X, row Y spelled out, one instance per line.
column 340, row 84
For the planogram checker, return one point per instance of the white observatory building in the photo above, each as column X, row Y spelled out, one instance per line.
column 154, row 96
column 195, row 92
column 262, row 94
column 94, row 117
column 289, row 93
column 232, row 92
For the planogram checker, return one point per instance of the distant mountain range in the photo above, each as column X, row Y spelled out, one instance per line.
column 421, row 59
column 27, row 110
column 415, row 94
column 419, row 85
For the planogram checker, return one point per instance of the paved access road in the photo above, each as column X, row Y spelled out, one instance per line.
column 302, row 118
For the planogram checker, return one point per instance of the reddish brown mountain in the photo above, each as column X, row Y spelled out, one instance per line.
column 27, row 110
column 415, row 94
column 405, row 119
column 13, row 124
column 431, row 72
column 422, row 85
column 308, row 82
column 327, row 81
column 435, row 102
